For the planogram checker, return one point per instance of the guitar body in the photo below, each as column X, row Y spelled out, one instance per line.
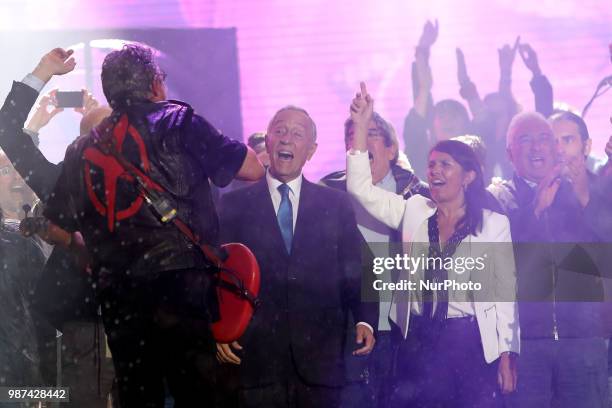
column 236, row 311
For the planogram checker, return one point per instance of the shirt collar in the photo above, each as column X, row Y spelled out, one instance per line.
column 531, row 184
column 295, row 185
column 387, row 181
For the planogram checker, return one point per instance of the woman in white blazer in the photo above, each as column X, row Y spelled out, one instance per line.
column 467, row 338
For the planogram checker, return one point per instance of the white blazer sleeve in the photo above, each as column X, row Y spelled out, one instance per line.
column 385, row 206
column 508, row 329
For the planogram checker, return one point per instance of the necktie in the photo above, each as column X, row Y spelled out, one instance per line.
column 285, row 216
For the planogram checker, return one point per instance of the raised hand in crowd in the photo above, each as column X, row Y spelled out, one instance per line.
column 506, row 60
column 429, row 35
column 468, row 90
column 462, row 74
column 530, row 59
column 541, row 87
column 47, row 109
column 56, row 62
column 89, row 103
column 417, row 124
column 43, row 114
column 424, row 81
column 421, row 69
column 361, row 110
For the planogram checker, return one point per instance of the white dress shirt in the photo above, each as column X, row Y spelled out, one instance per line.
column 34, row 82
column 295, row 187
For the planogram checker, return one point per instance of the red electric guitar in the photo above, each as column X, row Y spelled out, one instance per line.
column 237, row 281
column 237, row 290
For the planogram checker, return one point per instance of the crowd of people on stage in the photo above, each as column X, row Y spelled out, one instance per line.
column 87, row 249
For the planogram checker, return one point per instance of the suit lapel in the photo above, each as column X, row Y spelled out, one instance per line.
column 266, row 217
column 305, row 216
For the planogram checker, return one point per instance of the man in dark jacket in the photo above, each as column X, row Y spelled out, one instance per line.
column 21, row 262
column 151, row 280
column 557, row 217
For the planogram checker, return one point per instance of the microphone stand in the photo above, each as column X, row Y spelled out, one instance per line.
column 603, row 87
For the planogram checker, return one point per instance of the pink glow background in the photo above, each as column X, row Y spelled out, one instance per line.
column 313, row 53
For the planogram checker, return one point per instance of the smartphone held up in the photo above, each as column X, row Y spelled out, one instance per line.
column 69, row 99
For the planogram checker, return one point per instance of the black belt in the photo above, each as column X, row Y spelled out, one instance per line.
column 461, row 320
column 418, row 319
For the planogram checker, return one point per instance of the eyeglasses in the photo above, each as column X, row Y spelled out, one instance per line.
column 371, row 133
column 374, row 133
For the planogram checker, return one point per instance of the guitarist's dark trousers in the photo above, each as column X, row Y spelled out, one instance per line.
column 159, row 337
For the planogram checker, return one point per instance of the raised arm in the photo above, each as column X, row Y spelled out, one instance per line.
column 422, row 70
column 386, row 206
column 417, row 121
column 540, row 86
column 506, row 60
column 468, row 90
column 18, row 145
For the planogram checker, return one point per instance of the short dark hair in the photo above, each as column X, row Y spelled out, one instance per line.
column 385, row 128
column 475, row 194
column 572, row 117
column 128, row 75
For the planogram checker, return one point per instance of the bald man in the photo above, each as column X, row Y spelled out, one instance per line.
column 563, row 352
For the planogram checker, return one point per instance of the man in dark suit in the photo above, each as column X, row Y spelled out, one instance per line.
column 308, row 247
